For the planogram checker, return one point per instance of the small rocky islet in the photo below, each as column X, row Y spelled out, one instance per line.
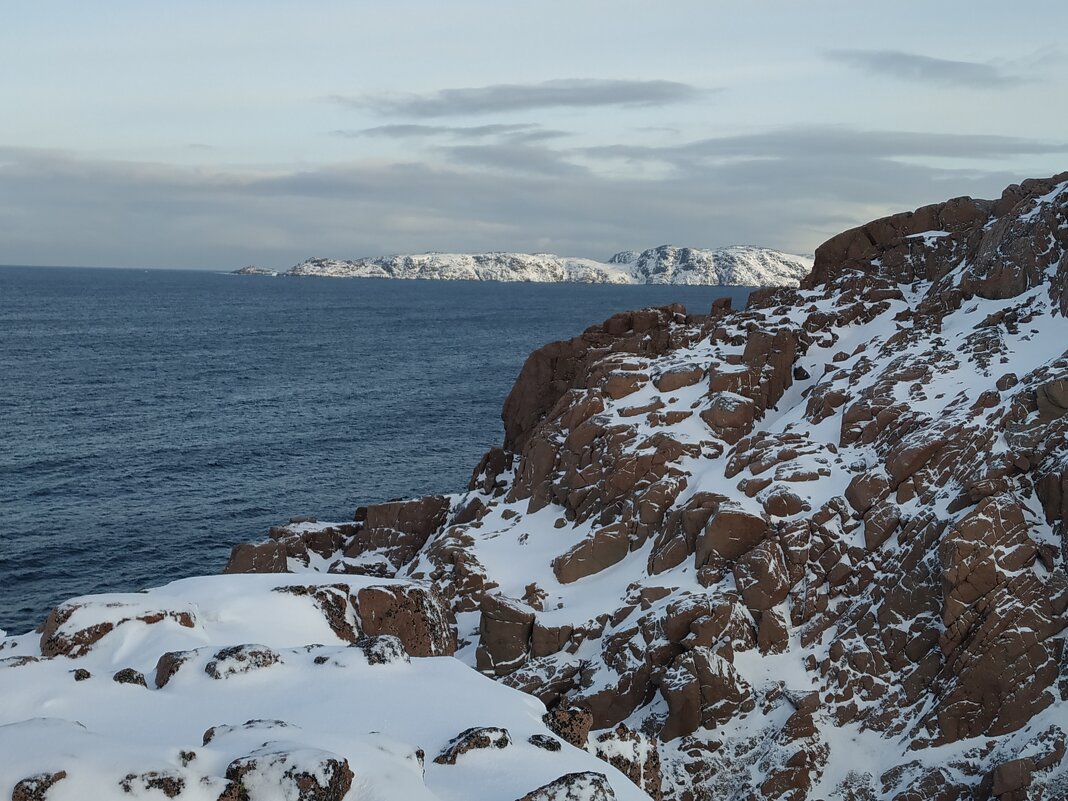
column 810, row 549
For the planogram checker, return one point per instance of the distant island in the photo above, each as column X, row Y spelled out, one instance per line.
column 667, row 264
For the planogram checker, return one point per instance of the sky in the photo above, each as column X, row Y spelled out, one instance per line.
column 213, row 135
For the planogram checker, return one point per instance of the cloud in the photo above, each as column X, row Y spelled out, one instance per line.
column 66, row 209
column 926, row 69
column 500, row 98
column 838, row 142
column 413, row 130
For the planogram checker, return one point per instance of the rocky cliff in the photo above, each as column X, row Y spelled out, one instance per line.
column 810, row 549
column 814, row 548
column 733, row 266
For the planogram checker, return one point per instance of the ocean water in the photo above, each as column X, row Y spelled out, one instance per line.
column 149, row 420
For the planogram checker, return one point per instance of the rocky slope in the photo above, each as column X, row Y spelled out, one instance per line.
column 735, row 266
column 812, row 549
column 809, row 549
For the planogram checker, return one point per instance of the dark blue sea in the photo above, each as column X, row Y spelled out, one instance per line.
column 149, row 420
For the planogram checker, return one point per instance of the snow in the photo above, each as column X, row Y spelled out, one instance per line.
column 331, row 700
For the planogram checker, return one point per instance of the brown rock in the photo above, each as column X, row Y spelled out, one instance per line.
column 35, row 788
column 330, row 781
column 473, row 739
column 570, row 722
column 1008, row 777
column 730, row 533
column 548, row 640
column 865, row 489
column 762, row 576
column 679, row 378
column 130, row 676
column 603, row 548
column 587, row 786
column 772, row 634
column 264, row 557
column 399, row 529
column 168, row 665
column 417, row 616
column 505, row 629
column 702, row 689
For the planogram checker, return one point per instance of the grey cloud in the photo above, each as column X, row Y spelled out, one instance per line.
column 839, row 142
column 406, row 131
column 926, row 69
column 64, row 209
column 497, row 98
column 514, row 157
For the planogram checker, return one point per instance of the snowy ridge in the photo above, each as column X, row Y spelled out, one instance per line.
column 733, row 266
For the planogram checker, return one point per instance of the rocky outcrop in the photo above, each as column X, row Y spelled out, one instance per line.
column 308, row 776
column 587, row 786
column 472, row 740
column 415, row 615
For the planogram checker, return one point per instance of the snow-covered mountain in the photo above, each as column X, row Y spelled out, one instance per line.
column 733, row 266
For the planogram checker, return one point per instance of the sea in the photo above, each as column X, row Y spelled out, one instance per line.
column 151, row 419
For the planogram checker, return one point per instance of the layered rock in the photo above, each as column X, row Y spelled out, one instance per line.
column 770, row 537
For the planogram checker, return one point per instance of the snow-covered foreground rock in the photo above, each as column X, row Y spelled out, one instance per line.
column 269, row 687
column 733, row 266
column 810, row 549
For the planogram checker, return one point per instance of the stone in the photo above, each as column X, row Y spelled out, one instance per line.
column 601, row 549
column 473, row 739
column 762, row 576
column 130, row 676
column 169, row 664
column 585, row 786
column 35, row 788
column 265, row 557
column 545, row 742
column 268, row 774
column 505, row 628
column 729, row 534
column 417, row 616
column 239, row 659
column 168, row 784
column 678, row 378
column 702, row 689
column 570, row 722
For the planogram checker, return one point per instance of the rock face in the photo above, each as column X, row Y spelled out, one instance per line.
column 766, row 538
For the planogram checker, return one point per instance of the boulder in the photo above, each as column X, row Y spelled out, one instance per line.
column 473, row 739
column 264, row 557
column 603, row 548
column 307, row 775
column 505, row 629
column 729, row 533
column 417, row 616
column 585, row 786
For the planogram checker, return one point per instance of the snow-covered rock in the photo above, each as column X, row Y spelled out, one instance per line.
column 259, row 684
column 733, row 266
